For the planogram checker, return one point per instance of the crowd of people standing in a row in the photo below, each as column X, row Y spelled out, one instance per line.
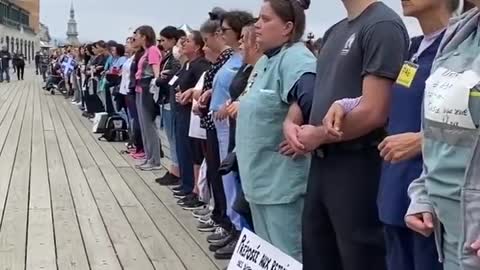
column 362, row 155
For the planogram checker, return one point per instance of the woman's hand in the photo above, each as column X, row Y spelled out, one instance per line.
column 197, row 93
column 334, row 119
column 232, row 109
column 186, row 97
column 221, row 114
column 476, row 247
column 196, row 109
column 401, row 147
column 205, row 98
column 421, row 223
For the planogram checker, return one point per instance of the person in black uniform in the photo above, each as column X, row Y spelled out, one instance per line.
column 20, row 65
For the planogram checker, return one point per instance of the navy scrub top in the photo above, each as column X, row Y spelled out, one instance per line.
column 405, row 116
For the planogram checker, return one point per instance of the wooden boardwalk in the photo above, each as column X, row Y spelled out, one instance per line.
column 69, row 201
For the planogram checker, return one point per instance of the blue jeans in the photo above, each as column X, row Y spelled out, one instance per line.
column 231, row 185
column 4, row 70
column 168, row 123
column 184, row 148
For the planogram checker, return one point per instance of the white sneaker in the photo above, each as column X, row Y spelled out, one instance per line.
column 141, row 163
column 150, row 167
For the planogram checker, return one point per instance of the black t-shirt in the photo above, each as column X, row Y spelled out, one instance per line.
column 374, row 43
column 188, row 77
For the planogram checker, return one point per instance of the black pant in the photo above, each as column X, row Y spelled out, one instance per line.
column 341, row 227
column 20, row 71
column 136, row 133
column 92, row 101
column 212, row 158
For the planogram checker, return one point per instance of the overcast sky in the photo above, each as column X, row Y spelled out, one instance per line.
column 112, row 19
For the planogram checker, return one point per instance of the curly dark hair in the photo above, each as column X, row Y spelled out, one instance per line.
column 237, row 19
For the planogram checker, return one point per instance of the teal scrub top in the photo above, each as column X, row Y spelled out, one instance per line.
column 267, row 176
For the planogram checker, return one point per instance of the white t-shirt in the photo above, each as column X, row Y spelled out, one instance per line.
column 126, row 76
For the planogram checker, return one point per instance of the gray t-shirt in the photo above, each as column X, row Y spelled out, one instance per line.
column 374, row 43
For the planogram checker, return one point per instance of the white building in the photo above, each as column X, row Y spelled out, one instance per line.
column 15, row 30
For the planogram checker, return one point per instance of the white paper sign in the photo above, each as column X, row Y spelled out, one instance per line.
column 195, row 131
column 446, row 97
column 253, row 253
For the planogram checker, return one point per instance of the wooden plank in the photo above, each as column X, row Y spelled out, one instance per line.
column 128, row 247
column 100, row 251
column 9, row 135
column 7, row 113
column 70, row 248
column 183, row 218
column 173, row 231
column 13, row 234
column 41, row 243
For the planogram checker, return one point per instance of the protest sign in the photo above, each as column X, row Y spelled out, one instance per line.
column 253, row 253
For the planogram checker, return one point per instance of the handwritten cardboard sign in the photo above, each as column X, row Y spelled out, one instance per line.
column 253, row 253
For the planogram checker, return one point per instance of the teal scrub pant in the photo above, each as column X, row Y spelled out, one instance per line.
column 280, row 225
column 449, row 215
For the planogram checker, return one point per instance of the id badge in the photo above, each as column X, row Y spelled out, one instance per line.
column 407, row 74
column 173, row 80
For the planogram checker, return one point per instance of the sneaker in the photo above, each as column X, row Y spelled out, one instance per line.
column 177, row 188
column 220, row 244
column 186, row 200
column 168, row 180
column 180, row 194
column 140, row 155
column 226, row 252
column 201, row 212
column 142, row 163
column 204, row 219
column 150, row 167
column 193, row 204
column 208, row 227
column 219, row 235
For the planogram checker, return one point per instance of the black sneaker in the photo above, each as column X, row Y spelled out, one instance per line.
column 177, row 188
column 207, row 227
column 183, row 201
column 216, row 246
column 168, row 180
column 179, row 194
column 193, row 204
column 226, row 252
column 219, row 235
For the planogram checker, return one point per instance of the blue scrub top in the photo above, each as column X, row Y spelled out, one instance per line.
column 405, row 116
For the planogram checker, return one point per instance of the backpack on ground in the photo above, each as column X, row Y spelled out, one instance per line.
column 116, row 129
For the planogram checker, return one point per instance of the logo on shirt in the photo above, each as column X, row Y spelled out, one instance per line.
column 348, row 44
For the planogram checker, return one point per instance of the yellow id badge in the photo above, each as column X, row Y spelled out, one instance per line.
column 407, row 74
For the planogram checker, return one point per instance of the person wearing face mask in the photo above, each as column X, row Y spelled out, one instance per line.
column 282, row 80
column 361, row 56
column 445, row 199
column 169, row 37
